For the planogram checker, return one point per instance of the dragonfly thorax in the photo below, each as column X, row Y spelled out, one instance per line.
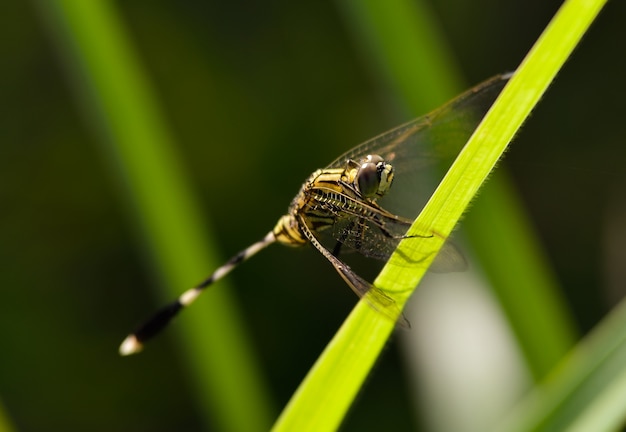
column 328, row 194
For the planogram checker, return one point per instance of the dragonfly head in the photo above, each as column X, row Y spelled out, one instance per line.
column 374, row 177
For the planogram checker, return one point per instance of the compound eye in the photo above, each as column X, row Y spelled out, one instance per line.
column 368, row 179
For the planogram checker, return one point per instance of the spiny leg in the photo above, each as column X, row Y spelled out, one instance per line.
column 337, row 248
column 134, row 342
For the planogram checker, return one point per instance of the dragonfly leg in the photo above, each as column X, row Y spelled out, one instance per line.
column 337, row 249
column 342, row 238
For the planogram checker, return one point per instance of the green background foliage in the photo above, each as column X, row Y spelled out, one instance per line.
column 256, row 96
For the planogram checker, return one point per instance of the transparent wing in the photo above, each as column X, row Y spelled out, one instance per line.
column 375, row 297
column 367, row 238
column 427, row 143
column 368, row 229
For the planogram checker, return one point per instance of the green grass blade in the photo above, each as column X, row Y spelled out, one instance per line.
column 526, row 284
column 327, row 392
column 588, row 391
column 394, row 34
column 115, row 92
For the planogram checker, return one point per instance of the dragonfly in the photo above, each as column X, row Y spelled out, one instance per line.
column 353, row 203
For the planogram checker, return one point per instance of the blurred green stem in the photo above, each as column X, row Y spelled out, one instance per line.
column 587, row 392
column 5, row 424
column 115, row 93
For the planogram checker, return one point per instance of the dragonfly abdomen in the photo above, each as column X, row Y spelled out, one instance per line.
column 287, row 231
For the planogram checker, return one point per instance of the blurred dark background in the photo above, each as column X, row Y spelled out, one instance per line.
column 259, row 94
